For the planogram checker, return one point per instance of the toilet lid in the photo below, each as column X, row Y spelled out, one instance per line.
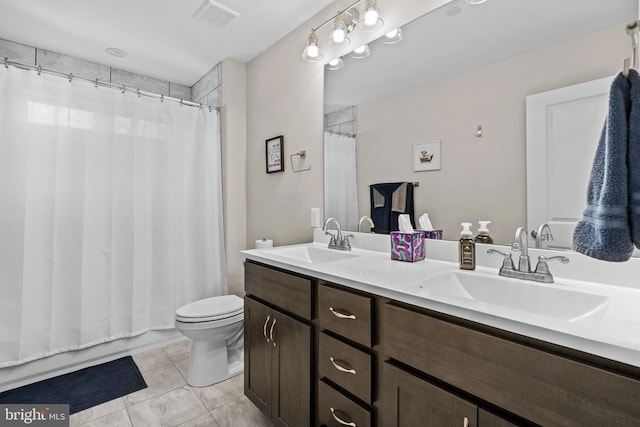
column 222, row 306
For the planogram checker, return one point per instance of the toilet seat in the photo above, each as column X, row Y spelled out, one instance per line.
column 211, row 309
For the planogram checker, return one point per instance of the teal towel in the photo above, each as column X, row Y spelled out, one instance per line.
column 633, row 161
column 604, row 231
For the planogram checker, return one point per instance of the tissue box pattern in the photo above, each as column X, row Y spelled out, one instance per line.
column 432, row 234
column 407, row 246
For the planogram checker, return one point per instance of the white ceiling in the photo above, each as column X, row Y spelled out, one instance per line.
column 161, row 37
column 437, row 45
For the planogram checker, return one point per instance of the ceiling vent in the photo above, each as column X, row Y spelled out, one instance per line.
column 214, row 13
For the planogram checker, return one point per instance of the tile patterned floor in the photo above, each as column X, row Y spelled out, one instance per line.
column 169, row 401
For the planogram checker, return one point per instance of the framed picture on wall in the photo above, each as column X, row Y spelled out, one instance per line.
column 426, row 156
column 275, row 156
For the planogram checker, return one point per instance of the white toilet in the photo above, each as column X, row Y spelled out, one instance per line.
column 216, row 327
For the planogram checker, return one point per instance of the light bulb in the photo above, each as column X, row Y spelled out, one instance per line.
column 339, row 30
column 370, row 16
column 312, row 51
column 360, row 49
column 334, row 62
column 338, row 35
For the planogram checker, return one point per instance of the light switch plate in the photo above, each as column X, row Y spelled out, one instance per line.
column 315, row 217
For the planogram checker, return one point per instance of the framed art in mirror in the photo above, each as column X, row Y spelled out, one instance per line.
column 274, row 151
column 426, row 156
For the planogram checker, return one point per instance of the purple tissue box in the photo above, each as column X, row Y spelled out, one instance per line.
column 407, row 246
column 432, row 234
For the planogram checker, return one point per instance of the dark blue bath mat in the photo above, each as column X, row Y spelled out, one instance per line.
column 84, row 388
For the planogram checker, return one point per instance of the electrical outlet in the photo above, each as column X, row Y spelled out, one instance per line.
column 315, row 217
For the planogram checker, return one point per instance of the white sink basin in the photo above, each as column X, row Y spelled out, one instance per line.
column 310, row 254
column 548, row 300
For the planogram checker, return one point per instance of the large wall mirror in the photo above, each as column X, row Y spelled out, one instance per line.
column 461, row 76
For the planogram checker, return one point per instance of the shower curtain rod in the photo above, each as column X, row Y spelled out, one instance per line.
column 39, row 69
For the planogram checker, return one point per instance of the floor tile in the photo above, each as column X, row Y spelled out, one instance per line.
column 205, row 420
column 115, row 419
column 222, row 393
column 161, row 379
column 96, row 412
column 240, row 413
column 152, row 359
column 178, row 350
column 169, row 409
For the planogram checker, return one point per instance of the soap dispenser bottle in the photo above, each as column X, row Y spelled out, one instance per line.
column 467, row 250
column 483, row 233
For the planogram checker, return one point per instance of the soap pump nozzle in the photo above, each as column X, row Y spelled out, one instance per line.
column 466, row 231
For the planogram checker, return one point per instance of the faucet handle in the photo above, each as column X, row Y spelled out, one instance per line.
column 507, row 262
column 543, row 267
column 344, row 243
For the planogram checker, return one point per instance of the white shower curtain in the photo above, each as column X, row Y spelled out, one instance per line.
column 110, row 214
column 340, row 190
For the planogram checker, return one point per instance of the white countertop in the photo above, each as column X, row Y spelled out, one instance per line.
column 612, row 331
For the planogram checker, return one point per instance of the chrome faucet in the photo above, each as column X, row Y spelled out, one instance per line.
column 521, row 243
column 508, row 269
column 542, row 234
column 337, row 241
column 363, row 219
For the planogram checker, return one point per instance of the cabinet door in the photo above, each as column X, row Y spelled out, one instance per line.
column 258, row 354
column 487, row 419
column 291, row 369
column 409, row 401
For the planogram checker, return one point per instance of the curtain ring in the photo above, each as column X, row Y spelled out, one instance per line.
column 210, row 110
column 181, row 102
column 96, row 83
column 124, row 89
column 162, row 97
column 6, row 62
column 39, row 69
column 200, row 107
column 70, row 77
column 138, row 92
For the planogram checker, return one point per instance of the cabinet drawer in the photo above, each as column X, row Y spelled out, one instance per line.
column 346, row 366
column 345, row 314
column 287, row 291
column 539, row 386
column 337, row 410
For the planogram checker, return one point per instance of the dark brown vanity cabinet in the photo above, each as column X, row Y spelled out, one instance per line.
column 345, row 359
column 524, row 378
column 322, row 354
column 278, row 345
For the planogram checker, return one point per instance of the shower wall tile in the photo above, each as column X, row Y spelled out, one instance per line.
column 347, row 114
column 137, row 81
column 180, row 91
column 17, row 51
column 206, row 84
column 69, row 64
column 348, row 128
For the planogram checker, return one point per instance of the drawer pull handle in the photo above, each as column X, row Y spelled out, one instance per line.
column 342, row 315
column 271, row 331
column 341, row 368
column 466, row 422
column 264, row 328
column 337, row 418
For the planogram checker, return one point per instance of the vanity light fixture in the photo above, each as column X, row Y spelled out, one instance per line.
column 393, row 36
column 360, row 52
column 334, row 64
column 344, row 22
column 311, row 52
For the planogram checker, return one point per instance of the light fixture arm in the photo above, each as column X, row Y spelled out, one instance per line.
column 325, row 23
